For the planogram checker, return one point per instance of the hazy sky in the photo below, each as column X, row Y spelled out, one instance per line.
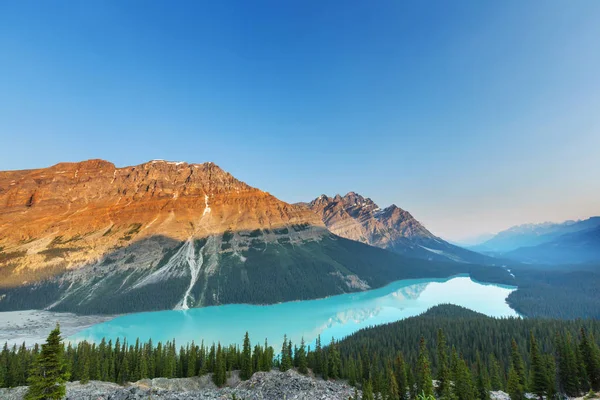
column 472, row 115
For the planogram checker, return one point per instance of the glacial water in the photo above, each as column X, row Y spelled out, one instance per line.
column 336, row 316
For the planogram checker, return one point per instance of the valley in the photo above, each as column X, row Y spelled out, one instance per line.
column 332, row 317
column 170, row 252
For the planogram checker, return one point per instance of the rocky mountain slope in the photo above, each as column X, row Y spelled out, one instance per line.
column 358, row 218
column 272, row 385
column 90, row 237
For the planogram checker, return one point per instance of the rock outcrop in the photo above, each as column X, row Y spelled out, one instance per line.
column 272, row 385
column 358, row 218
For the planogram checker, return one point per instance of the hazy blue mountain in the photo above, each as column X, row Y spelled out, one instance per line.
column 575, row 247
column 529, row 235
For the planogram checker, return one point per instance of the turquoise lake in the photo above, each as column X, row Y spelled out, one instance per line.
column 336, row 316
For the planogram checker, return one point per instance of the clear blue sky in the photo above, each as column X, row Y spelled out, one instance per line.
column 473, row 115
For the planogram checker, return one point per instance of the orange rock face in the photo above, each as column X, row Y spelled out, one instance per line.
column 72, row 214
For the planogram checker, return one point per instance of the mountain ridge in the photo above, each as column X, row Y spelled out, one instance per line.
column 89, row 237
column 359, row 218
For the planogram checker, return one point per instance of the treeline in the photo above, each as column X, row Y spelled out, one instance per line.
column 122, row 362
column 554, row 293
column 475, row 352
column 468, row 354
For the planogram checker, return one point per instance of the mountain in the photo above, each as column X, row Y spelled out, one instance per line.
column 575, row 247
column 473, row 240
column 90, row 237
column 528, row 235
column 358, row 218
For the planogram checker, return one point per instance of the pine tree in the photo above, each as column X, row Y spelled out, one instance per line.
column 192, row 360
column 246, row 371
column 463, row 380
column 412, row 385
column 483, row 382
column 143, row 365
column 513, row 386
column 368, row 391
column 85, row 368
column 517, row 363
column 567, row 365
column 496, row 380
column 286, row 362
column 400, row 372
column 318, row 355
column 590, row 357
column 537, row 374
column 424, row 380
column 584, row 383
column 220, row 371
column 334, row 360
column 301, row 355
column 325, row 366
column 352, row 373
column 550, row 368
column 393, row 390
column 443, row 374
column 49, row 374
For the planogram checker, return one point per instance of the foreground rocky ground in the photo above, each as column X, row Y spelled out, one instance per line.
column 272, row 385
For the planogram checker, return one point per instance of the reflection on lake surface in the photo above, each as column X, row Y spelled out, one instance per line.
column 336, row 316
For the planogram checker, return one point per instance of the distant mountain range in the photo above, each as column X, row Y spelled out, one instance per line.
column 358, row 218
column 90, row 237
column 548, row 243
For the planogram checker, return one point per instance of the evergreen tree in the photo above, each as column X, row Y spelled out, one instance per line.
column 496, row 380
column 537, row 374
column 517, row 363
column 368, row 391
column 301, row 356
column 246, row 371
column 192, row 360
column 49, row 374
column 334, row 360
column 220, row 371
column 582, row 376
column 424, row 380
column 85, row 368
column 514, row 388
column 550, row 367
column 400, row 372
column 591, row 359
column 352, row 372
column 393, row 390
column 325, row 366
column 483, row 382
column 443, row 375
column 412, row 385
column 463, row 380
column 567, row 365
column 286, row 362
column 318, row 355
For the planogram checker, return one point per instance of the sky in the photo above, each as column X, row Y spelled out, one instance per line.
column 472, row 115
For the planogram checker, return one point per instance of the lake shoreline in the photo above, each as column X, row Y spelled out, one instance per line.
column 32, row 326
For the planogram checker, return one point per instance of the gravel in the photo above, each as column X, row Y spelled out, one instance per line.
column 273, row 385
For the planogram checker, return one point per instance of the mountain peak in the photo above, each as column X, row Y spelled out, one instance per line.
column 358, row 218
